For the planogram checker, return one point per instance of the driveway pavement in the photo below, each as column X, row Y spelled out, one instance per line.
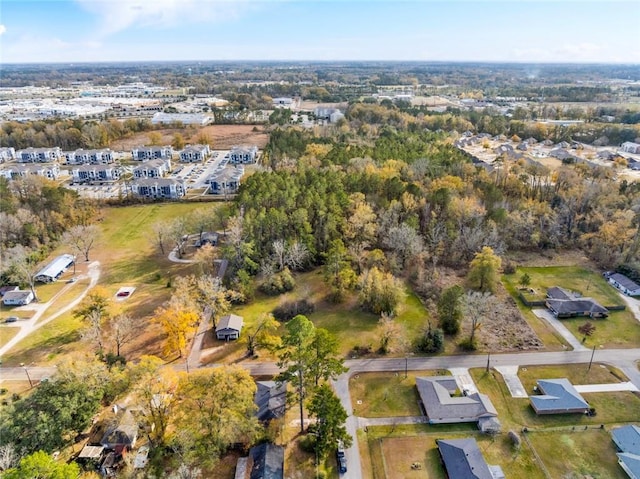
column 603, row 388
column 464, row 380
column 558, row 326
column 352, row 454
column 511, row 379
column 633, row 304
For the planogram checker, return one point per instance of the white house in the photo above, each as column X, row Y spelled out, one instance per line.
column 282, row 101
column 624, row 284
column 53, row 270
column 194, row 153
column 153, row 169
column 333, row 115
column 156, row 188
column 7, row 154
column 17, row 298
column 39, row 155
column 95, row 173
column 630, row 147
column 229, row 327
column 145, row 153
column 243, row 155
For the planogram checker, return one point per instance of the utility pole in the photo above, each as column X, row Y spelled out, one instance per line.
column 488, row 361
column 591, row 360
column 26, row 371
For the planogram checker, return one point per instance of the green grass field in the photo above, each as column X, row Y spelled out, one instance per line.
column 620, row 329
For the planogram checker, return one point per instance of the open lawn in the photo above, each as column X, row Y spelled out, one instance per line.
column 387, row 394
column 6, row 333
column 391, row 452
column 347, row 321
column 576, row 373
column 620, row 329
column 516, row 413
column 580, row 453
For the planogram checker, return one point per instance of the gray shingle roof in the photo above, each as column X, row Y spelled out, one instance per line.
column 559, row 293
column 622, row 280
column 576, row 306
column 270, row 399
column 268, row 461
column 230, row 321
column 462, row 459
column 441, row 406
column 559, row 395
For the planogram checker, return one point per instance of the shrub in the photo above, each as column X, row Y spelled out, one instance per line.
column 431, row 342
column 288, row 310
column 308, row 443
column 515, row 440
column 509, row 267
column 468, row 345
column 278, row 283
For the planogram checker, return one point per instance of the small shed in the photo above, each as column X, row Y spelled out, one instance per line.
column 229, row 327
column 17, row 298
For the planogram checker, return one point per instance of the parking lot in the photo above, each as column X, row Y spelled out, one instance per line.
column 196, row 175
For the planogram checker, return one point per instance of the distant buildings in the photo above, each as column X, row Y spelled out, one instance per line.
column 16, row 171
column 630, row 147
column 7, row 154
column 158, row 188
column 161, row 118
column 332, row 115
column 194, row 153
column 156, row 168
column 93, row 157
column 95, row 173
column 226, row 181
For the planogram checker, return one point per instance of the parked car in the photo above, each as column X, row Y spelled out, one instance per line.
column 341, row 458
column 123, row 294
column 72, row 280
column 11, row 319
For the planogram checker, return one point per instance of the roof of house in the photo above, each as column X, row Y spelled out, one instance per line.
column 155, row 163
column 630, row 462
column 91, row 452
column 625, row 282
column 124, row 432
column 158, row 181
column 557, row 394
column 229, row 173
column 230, row 321
column 56, row 266
column 462, row 459
column 268, row 461
column 581, row 305
column 18, row 295
column 436, row 394
column 627, row 438
column 559, row 293
column 271, row 399
column 5, row 289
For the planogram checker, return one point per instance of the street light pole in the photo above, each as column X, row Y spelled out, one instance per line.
column 26, row 371
column 406, row 364
column 591, row 360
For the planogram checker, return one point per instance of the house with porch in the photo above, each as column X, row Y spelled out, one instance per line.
column 229, row 327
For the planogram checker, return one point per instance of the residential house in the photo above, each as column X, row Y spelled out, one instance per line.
column 6, row 289
column 156, row 168
column 39, row 155
column 564, row 155
column 7, row 154
column 156, row 188
column 565, row 304
column 194, row 153
column 229, row 327
column 226, row 181
column 282, row 102
column 17, row 297
column 240, row 155
column 630, row 147
column 627, row 441
column 558, row 397
column 93, row 157
column 271, row 399
column 123, row 433
column 462, row 459
column 624, row 284
column 55, row 268
column 146, row 153
column 441, row 406
column 333, row 115
column 15, row 171
column 265, row 461
column 95, row 173
column 207, row 238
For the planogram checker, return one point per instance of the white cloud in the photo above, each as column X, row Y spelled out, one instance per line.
column 3, row 29
column 118, row 15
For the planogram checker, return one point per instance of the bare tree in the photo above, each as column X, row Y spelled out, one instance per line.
column 178, row 235
column 161, row 235
column 296, row 256
column 405, row 241
column 21, row 267
column 8, row 456
column 477, row 306
column 82, row 239
column 93, row 332
column 279, row 253
column 123, row 329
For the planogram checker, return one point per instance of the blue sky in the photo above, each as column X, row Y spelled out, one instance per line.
column 428, row 30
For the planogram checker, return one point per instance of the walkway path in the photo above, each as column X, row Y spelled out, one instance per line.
column 32, row 324
column 558, row 326
column 603, row 388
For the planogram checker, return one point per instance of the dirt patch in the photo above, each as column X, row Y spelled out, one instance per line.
column 222, row 136
column 551, row 258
